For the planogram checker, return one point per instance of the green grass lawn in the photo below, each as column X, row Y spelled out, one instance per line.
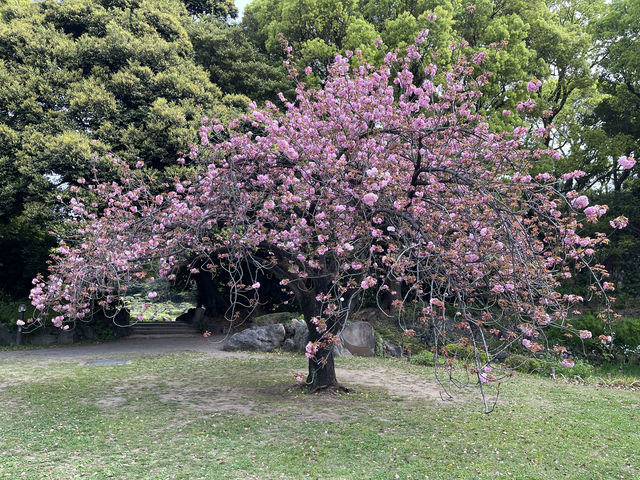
column 191, row 416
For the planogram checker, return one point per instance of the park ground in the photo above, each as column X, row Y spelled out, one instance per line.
column 191, row 411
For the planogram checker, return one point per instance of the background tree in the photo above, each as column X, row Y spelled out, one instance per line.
column 609, row 129
column 82, row 78
column 543, row 40
column 235, row 64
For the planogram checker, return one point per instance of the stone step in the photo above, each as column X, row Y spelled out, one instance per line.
column 161, row 327
column 150, row 336
column 162, row 330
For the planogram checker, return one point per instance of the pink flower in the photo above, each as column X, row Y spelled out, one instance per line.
column 370, row 199
column 605, row 339
column 534, row 85
column 139, row 164
column 581, row 202
column 626, row 162
column 526, row 342
column 619, row 222
column 591, row 211
column 568, row 363
column 311, row 349
column 368, row 283
column 256, row 285
column 152, row 294
column 20, row 323
column 506, row 113
column 584, row 334
column 299, row 377
column 498, row 289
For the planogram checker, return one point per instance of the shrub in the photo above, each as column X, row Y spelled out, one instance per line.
column 522, row 363
column 464, row 353
column 627, row 332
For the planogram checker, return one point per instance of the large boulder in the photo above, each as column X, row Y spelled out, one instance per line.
column 340, row 351
column 359, row 338
column 273, row 318
column 301, row 336
column 262, row 339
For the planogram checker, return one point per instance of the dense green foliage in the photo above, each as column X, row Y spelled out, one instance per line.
column 82, row 78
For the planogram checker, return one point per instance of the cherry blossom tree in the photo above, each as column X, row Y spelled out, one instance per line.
column 365, row 184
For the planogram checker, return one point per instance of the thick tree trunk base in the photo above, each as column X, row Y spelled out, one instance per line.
column 330, row 389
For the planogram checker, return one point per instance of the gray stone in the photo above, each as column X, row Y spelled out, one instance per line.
column 43, row 338
column 6, row 336
column 66, row 337
column 273, row 318
column 289, row 345
column 340, row 351
column 392, row 349
column 263, row 339
column 301, row 336
column 359, row 338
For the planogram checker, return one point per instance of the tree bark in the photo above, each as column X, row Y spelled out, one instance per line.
column 322, row 372
column 208, row 296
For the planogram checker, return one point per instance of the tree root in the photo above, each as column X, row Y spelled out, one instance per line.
column 333, row 389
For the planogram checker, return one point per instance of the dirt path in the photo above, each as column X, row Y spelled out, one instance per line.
column 211, row 345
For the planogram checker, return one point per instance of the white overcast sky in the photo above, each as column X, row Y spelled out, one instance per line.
column 240, row 4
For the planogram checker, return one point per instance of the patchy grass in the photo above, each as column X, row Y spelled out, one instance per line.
column 193, row 416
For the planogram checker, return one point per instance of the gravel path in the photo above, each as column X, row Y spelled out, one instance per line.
column 211, row 345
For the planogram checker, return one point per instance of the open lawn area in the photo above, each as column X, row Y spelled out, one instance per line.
column 193, row 415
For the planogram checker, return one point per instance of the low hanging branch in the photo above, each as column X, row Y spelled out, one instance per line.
column 368, row 182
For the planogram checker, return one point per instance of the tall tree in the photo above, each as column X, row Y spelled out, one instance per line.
column 82, row 78
column 365, row 182
column 537, row 39
column 235, row 64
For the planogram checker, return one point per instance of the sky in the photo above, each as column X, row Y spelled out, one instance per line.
column 240, row 4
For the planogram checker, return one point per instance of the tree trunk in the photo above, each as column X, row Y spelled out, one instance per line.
column 322, row 372
column 322, row 375
column 208, row 296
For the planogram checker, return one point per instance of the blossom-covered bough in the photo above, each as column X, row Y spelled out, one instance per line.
column 370, row 183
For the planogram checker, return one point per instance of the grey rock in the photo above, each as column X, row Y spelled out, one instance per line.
column 289, row 345
column 301, row 336
column 66, row 337
column 6, row 337
column 392, row 349
column 273, row 318
column 359, row 338
column 340, row 351
column 262, row 339
column 43, row 338
column 87, row 331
